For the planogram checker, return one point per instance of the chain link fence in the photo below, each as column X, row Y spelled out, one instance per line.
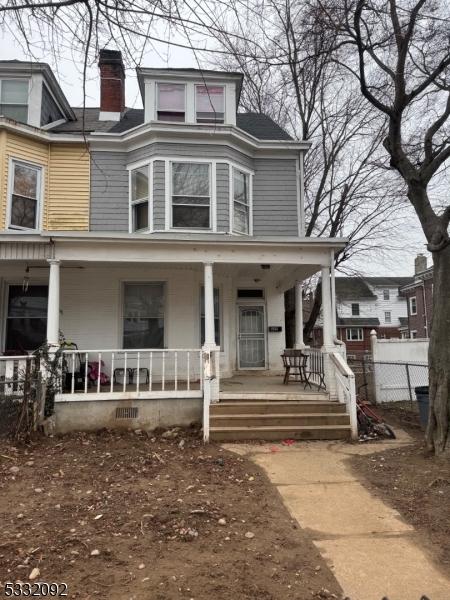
column 393, row 382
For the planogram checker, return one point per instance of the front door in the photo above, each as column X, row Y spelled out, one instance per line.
column 251, row 338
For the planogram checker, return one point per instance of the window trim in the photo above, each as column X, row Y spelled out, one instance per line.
column 220, row 316
column 212, row 191
column 221, row 85
column 386, row 320
column 250, row 174
column 4, row 295
column 121, row 328
column 149, row 200
column 411, row 298
column 157, row 108
column 360, row 337
column 386, row 292
column 39, row 193
column 23, row 79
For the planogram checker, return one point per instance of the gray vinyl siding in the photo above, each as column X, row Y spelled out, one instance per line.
column 49, row 110
column 274, row 187
column 223, row 197
column 158, row 194
column 109, row 191
column 275, row 197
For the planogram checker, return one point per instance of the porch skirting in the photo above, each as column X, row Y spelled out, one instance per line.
column 134, row 414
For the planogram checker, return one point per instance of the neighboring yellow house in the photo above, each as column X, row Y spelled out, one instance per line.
column 44, row 184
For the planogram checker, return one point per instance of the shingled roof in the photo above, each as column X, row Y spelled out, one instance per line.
column 352, row 288
column 259, row 126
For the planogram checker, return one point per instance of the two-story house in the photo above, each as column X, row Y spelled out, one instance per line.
column 159, row 240
column 368, row 303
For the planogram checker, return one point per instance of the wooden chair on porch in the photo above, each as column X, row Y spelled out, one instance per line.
column 294, row 362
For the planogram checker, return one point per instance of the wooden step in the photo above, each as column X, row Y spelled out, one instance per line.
column 278, row 407
column 303, row 432
column 278, row 420
column 274, row 396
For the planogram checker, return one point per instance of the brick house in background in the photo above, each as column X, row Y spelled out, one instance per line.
column 419, row 298
column 366, row 303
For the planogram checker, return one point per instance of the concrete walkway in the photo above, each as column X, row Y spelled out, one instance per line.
column 371, row 550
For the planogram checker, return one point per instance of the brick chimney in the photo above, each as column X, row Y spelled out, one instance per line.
column 420, row 264
column 112, row 85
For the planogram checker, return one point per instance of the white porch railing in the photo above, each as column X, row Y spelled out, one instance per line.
column 345, row 388
column 132, row 373
column 13, row 372
column 315, row 366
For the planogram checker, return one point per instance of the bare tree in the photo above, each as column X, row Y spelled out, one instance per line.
column 399, row 52
column 349, row 189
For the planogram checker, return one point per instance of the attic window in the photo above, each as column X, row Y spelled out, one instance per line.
column 14, row 99
column 171, row 102
column 210, row 103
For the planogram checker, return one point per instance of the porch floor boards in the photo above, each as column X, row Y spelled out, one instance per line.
column 268, row 384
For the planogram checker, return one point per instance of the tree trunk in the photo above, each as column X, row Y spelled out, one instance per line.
column 438, row 430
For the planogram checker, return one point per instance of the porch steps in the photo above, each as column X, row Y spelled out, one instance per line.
column 272, row 416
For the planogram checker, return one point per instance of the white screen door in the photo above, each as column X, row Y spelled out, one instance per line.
column 252, row 337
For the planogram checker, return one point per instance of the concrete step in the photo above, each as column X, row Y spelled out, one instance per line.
column 278, row 420
column 274, row 396
column 274, row 406
column 303, row 432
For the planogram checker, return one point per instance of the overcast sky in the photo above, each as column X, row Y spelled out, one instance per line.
column 68, row 71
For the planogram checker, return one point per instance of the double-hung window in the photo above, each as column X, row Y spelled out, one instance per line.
column 26, row 318
column 139, row 198
column 241, row 201
column 216, row 316
column 191, row 195
column 387, row 316
column 14, row 99
column 171, row 102
column 24, row 196
column 355, row 309
column 413, row 305
column 355, row 334
column 210, row 103
column 143, row 315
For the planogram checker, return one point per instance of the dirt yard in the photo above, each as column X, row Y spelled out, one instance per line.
column 414, row 482
column 128, row 516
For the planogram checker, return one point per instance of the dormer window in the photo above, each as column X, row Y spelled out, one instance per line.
column 14, row 99
column 210, row 103
column 171, row 102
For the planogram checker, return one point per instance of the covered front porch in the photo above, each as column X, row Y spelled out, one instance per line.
column 162, row 318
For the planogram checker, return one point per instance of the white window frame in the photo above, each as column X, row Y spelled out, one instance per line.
column 411, row 305
column 386, row 318
column 211, row 84
column 149, row 200
column 249, row 174
column 157, row 107
column 212, row 194
column 360, row 331
column 39, row 193
column 121, row 328
column 386, row 292
column 22, row 79
column 355, row 314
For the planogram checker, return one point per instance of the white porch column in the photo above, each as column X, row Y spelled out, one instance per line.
column 299, row 343
column 333, row 295
column 327, row 308
column 53, row 303
column 210, row 338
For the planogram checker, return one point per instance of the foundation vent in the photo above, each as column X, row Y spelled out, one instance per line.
column 127, row 412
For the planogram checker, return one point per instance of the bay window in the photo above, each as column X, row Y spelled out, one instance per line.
column 191, row 195
column 241, row 202
column 14, row 99
column 210, row 103
column 24, row 196
column 171, row 100
column 143, row 315
column 140, row 198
